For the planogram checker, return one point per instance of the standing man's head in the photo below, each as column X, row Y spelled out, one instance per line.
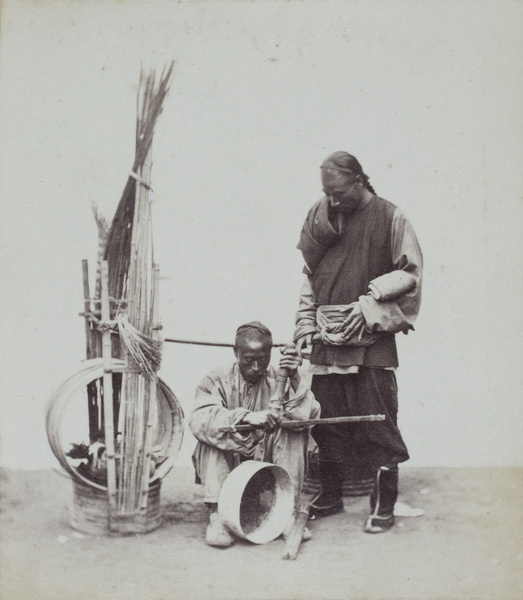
column 344, row 182
column 252, row 348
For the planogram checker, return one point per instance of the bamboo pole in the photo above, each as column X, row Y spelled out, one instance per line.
column 108, row 396
column 155, row 315
column 87, row 310
column 293, row 542
column 294, row 423
column 216, row 344
column 145, row 317
column 90, row 352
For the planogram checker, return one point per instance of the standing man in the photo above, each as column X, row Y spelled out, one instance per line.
column 363, row 269
column 243, row 393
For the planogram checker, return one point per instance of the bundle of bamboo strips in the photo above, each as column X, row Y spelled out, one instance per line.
column 132, row 288
column 149, row 107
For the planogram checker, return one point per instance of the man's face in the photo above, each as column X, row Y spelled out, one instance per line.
column 342, row 189
column 254, row 356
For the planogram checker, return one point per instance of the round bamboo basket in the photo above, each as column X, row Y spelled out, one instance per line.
column 89, row 512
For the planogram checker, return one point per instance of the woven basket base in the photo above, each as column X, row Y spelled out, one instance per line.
column 89, row 513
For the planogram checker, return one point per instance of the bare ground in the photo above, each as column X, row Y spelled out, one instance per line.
column 467, row 545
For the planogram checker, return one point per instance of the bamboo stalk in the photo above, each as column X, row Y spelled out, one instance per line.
column 92, row 392
column 294, row 423
column 145, row 317
column 155, row 314
column 292, row 545
column 215, row 344
column 87, row 310
column 108, row 396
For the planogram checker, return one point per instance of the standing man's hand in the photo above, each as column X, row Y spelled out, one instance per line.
column 304, row 342
column 354, row 324
column 291, row 359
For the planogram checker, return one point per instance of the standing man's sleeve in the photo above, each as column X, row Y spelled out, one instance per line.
column 300, row 403
column 306, row 315
column 393, row 301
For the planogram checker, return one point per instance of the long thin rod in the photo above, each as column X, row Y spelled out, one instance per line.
column 108, row 394
column 290, row 424
column 219, row 344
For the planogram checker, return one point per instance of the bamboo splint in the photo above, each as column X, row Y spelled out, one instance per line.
column 108, row 397
column 293, row 424
column 152, row 393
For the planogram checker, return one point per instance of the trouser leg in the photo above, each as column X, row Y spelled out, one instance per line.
column 212, row 467
column 387, row 447
column 330, row 392
column 385, row 491
column 331, row 440
column 331, row 478
column 371, row 391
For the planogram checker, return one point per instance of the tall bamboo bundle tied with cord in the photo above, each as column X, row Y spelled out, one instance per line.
column 135, row 422
column 133, row 287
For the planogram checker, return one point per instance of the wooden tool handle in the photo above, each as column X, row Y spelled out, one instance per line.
column 292, row 545
column 281, row 380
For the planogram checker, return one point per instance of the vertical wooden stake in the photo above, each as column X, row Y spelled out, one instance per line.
column 92, row 394
column 87, row 310
column 108, row 395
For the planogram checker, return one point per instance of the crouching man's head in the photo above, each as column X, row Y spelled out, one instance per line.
column 252, row 348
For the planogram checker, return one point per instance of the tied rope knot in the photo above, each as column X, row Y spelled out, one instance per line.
column 106, row 325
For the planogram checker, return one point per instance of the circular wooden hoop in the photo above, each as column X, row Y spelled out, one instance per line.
column 168, row 406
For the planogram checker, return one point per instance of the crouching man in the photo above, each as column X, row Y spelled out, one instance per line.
column 240, row 393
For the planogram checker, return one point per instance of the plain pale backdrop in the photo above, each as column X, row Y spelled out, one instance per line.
column 428, row 96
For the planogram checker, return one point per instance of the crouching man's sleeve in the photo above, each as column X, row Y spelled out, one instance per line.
column 300, row 403
column 210, row 413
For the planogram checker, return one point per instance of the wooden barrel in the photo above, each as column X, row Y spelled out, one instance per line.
column 358, row 478
column 89, row 512
column 358, row 481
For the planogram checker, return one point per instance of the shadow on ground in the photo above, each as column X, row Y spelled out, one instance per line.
column 467, row 545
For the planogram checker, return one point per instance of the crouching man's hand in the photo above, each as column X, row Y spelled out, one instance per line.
column 262, row 418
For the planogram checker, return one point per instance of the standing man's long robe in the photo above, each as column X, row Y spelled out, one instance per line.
column 371, row 257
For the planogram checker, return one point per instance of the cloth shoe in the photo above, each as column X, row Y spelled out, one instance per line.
column 377, row 524
column 216, row 534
